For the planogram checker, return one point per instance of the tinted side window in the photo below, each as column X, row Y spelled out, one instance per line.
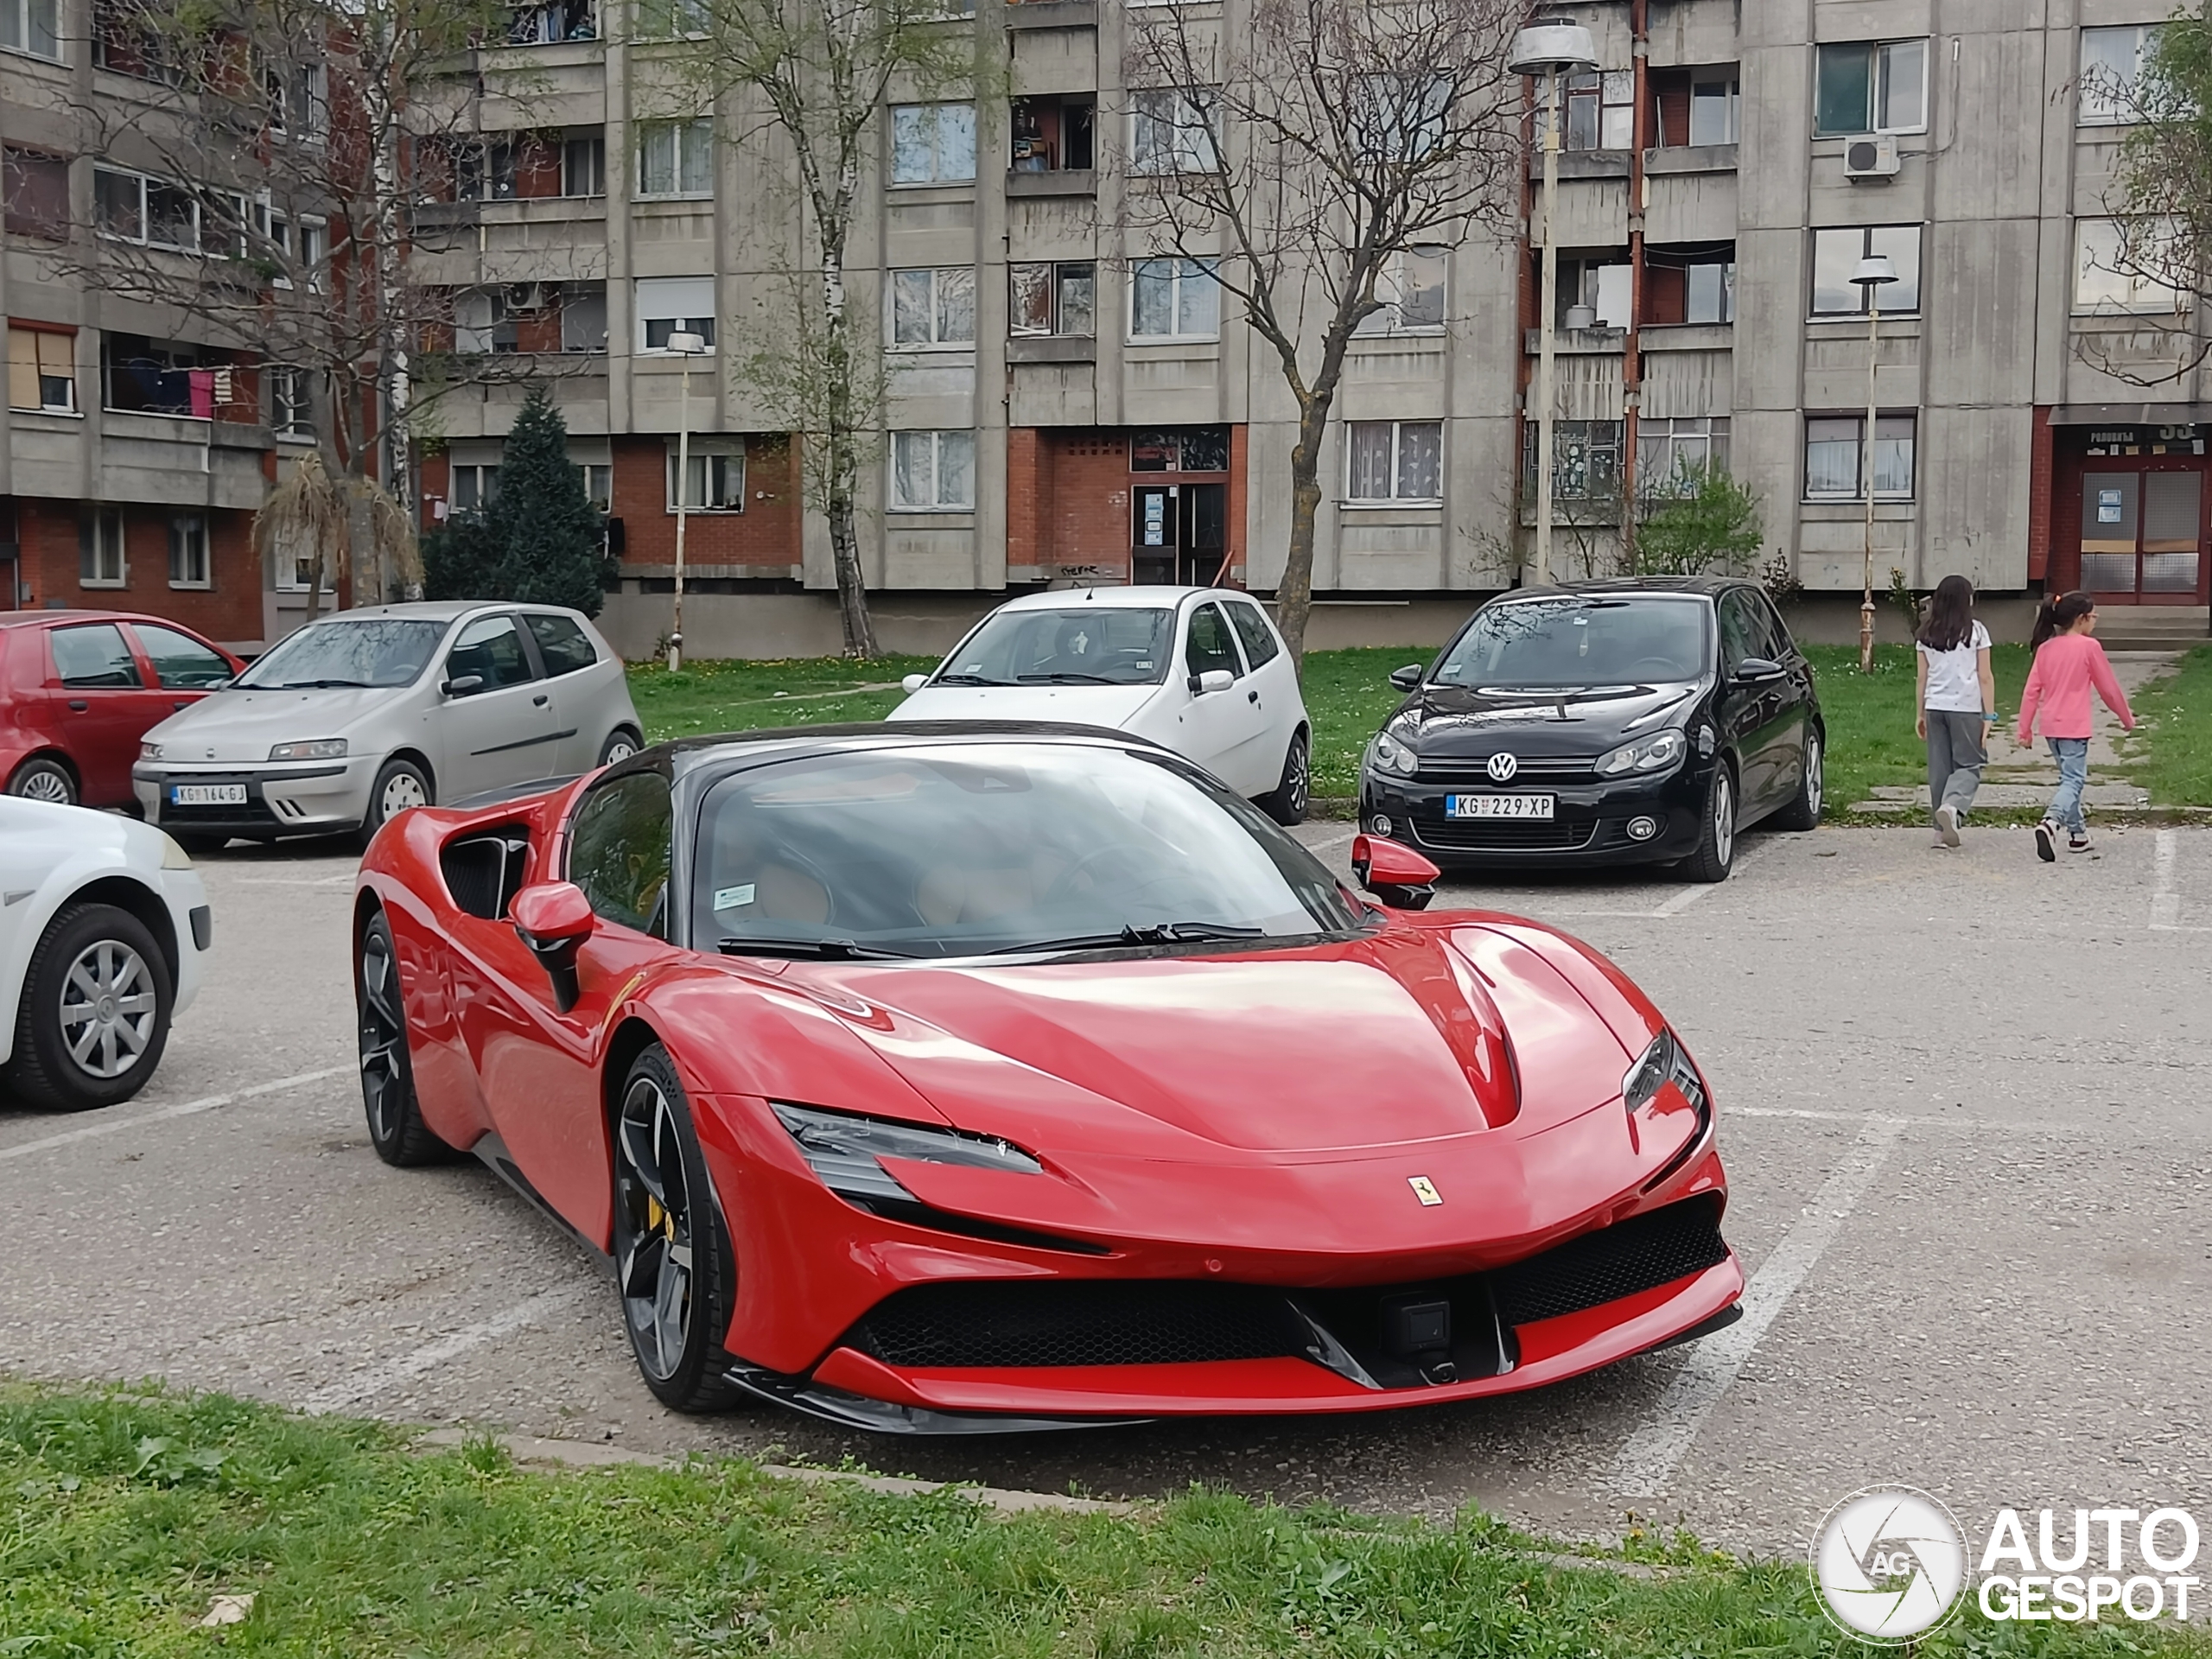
column 1210, row 645
column 180, row 663
column 1778, row 631
column 564, row 646
column 490, row 649
column 1252, row 628
column 93, row 657
column 619, row 850
column 1739, row 636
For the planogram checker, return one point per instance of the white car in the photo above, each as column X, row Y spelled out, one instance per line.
column 1200, row 670
column 359, row 716
column 103, row 923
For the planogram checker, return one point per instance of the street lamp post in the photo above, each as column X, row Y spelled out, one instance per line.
column 1550, row 49
column 1873, row 271
column 686, row 345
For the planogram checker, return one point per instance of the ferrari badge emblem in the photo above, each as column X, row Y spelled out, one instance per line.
column 1424, row 1189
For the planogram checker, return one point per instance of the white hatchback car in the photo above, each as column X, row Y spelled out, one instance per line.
column 366, row 713
column 1200, row 670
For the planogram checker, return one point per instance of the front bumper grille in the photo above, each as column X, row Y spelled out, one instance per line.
column 1562, row 834
column 1024, row 1324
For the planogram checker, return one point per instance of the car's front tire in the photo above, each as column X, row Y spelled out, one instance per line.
column 1286, row 802
column 95, row 1012
column 395, row 1126
column 675, row 1270
column 1803, row 811
column 1716, row 841
column 42, row 777
column 400, row 784
column 621, row 743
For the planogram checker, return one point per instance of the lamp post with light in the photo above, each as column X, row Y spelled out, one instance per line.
column 687, row 345
column 1873, row 271
column 1550, row 49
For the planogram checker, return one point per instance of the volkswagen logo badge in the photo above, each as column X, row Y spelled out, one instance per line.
column 1503, row 766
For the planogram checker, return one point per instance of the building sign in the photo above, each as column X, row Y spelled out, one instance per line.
column 2107, row 507
column 1156, row 518
column 2182, row 439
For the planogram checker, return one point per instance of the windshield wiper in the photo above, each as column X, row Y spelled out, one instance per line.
column 1131, row 934
column 315, row 685
column 828, row 949
column 1069, row 678
column 967, row 679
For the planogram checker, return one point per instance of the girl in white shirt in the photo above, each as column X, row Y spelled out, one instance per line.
column 1957, row 700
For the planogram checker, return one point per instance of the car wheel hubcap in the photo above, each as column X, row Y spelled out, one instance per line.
column 1814, row 783
column 1723, row 818
column 108, row 1009
column 620, row 749
column 654, row 1263
column 46, row 785
column 402, row 791
column 382, row 1032
column 1301, row 775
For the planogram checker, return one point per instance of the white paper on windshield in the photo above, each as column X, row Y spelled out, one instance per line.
column 734, row 898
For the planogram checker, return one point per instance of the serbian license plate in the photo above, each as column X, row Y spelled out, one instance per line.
column 216, row 795
column 1498, row 806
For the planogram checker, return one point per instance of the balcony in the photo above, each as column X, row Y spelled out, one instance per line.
column 1067, row 181
column 1052, row 14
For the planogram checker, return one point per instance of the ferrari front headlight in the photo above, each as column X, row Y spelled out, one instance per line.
column 845, row 1151
column 1663, row 1061
column 321, row 749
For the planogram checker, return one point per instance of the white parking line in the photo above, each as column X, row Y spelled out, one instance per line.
column 1964, row 1125
column 185, row 1109
column 1648, row 1460
column 361, row 1386
column 2165, row 888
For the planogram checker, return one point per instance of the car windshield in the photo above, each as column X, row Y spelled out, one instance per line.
column 973, row 848
column 1083, row 644
column 382, row 651
column 1550, row 643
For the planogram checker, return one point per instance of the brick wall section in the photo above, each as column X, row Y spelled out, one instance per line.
column 1089, row 521
column 229, row 611
column 767, row 532
column 1233, row 528
column 1028, row 499
column 2042, row 480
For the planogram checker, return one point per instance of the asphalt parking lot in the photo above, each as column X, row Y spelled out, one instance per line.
column 1963, row 1105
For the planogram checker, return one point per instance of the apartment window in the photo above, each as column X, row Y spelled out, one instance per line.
column 36, row 191
column 554, row 22
column 1716, row 111
column 100, row 546
column 473, row 485
column 1586, row 460
column 1411, row 289
column 598, row 484
column 583, row 166
column 1692, row 284
column 1670, row 452
column 2112, row 72
column 188, row 551
column 484, row 170
column 42, row 371
column 1052, row 299
column 715, row 482
column 932, row 143
column 291, row 411
column 482, row 322
column 298, row 99
column 1872, row 86
column 674, row 305
column 583, row 317
column 1834, row 460
column 1600, row 111
column 933, row 307
column 1170, row 132
column 675, row 158
column 1184, row 450
column 933, row 471
column 164, row 376
column 1836, row 254
column 1404, row 116
column 1602, row 285
column 131, row 207
column 1052, row 134
column 670, row 20
column 2119, row 264
column 1396, row 460
column 32, row 26
column 1175, row 299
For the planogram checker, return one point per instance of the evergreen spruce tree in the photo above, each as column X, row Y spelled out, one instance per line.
column 550, row 533
column 460, row 559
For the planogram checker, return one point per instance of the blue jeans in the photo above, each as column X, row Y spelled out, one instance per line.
column 2072, row 755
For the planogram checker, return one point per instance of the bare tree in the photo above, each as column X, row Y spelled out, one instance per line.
column 1301, row 156
column 821, row 71
column 2160, row 260
column 281, row 175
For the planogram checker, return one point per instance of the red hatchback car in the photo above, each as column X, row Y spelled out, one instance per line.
column 78, row 689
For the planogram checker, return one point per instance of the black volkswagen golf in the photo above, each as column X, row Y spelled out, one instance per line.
column 1608, row 722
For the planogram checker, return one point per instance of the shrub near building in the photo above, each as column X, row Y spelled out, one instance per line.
column 539, row 539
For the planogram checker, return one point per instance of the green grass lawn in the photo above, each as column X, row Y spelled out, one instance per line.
column 123, row 1515
column 736, row 697
column 2170, row 753
column 1870, row 716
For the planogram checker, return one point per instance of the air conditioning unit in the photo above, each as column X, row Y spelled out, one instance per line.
column 531, row 297
column 1874, row 156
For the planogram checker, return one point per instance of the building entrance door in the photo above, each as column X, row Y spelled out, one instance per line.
column 2143, row 532
column 1178, row 533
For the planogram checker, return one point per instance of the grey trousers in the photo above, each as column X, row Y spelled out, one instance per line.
column 1958, row 748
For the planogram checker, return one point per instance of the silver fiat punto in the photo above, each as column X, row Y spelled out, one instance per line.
column 366, row 713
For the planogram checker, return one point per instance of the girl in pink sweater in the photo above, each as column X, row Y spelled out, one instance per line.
column 2068, row 662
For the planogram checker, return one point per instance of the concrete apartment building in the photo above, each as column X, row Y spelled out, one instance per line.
column 1062, row 408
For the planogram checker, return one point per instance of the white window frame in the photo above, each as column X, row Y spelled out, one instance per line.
column 942, row 283
column 1877, row 86
column 599, row 483
column 1670, row 444
column 19, row 16
column 1170, row 132
column 936, row 437
column 189, row 533
column 110, row 543
column 1609, row 90
column 299, row 425
column 1057, row 274
column 146, row 182
column 1397, row 430
column 1183, row 272
column 1391, row 287
column 2149, row 297
column 595, row 146
column 2124, row 110
column 677, row 301
column 35, row 335
column 905, row 115
column 1732, row 101
column 719, row 463
column 484, row 485
column 685, row 135
column 1865, row 233
column 671, row 20
column 1911, row 418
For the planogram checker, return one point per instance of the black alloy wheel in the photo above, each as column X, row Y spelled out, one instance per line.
column 673, row 1265
column 1716, row 841
column 395, row 1126
column 94, row 1015
column 1286, row 802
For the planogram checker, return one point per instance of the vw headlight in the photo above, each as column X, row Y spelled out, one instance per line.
column 1388, row 753
column 149, row 751
column 1653, row 754
column 1665, row 1061
column 844, row 1151
column 322, row 748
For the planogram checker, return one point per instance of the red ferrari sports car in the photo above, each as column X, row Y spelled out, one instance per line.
column 972, row 1077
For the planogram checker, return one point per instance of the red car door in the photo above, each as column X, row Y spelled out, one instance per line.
column 100, row 706
column 183, row 664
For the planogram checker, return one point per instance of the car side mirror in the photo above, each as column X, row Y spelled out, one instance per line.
column 223, row 684
column 1394, row 872
column 913, row 682
column 1752, row 669
column 1407, row 678
column 461, row 684
column 553, row 919
column 1214, row 679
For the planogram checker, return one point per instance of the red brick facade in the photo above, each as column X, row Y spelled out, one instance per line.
column 1068, row 498
column 2039, row 486
column 49, row 539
